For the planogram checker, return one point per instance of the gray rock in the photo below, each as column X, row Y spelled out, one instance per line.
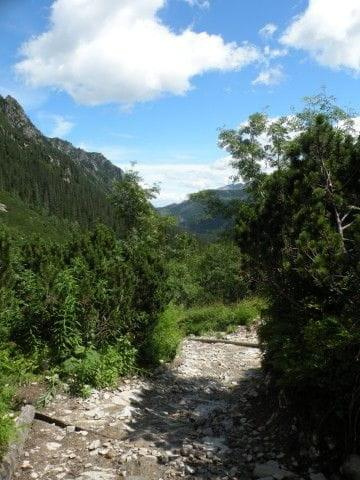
column 94, row 445
column 271, row 469
column 317, row 476
column 351, row 467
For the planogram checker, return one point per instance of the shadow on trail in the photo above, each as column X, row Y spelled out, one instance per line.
column 201, row 419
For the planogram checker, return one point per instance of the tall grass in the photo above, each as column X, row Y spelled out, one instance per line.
column 176, row 322
column 166, row 336
column 222, row 318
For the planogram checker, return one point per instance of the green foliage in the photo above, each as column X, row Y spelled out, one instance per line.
column 79, row 302
column 132, row 205
column 166, row 336
column 25, row 222
column 301, row 234
column 99, row 368
column 221, row 275
column 82, row 293
column 15, row 369
column 200, row 274
column 222, row 318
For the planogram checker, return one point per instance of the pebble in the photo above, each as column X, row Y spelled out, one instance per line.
column 187, row 421
column 94, row 445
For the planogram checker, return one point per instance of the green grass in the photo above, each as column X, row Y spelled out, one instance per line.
column 222, row 318
column 166, row 336
column 176, row 322
column 25, row 221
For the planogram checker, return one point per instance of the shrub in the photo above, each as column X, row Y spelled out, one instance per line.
column 99, row 369
column 15, row 369
column 166, row 335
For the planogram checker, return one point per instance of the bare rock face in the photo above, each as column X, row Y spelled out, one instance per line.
column 18, row 118
column 94, row 163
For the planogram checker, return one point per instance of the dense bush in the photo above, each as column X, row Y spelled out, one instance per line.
column 166, row 336
column 201, row 274
column 15, row 369
column 302, row 232
column 87, row 304
column 82, row 294
column 99, row 368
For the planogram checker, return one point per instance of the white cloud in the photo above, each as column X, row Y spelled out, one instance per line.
column 270, row 76
column 329, row 31
column 61, row 126
column 119, row 51
column 178, row 180
column 357, row 125
column 199, row 3
column 116, row 153
column 268, row 30
column 270, row 53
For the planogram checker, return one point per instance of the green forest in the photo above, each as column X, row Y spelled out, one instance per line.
column 107, row 286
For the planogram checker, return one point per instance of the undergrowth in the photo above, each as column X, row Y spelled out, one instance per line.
column 15, row 370
column 177, row 322
column 166, row 336
column 92, row 368
column 222, row 318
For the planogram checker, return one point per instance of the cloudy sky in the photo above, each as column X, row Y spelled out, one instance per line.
column 151, row 81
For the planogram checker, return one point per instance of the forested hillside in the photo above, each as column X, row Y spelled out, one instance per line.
column 50, row 175
column 194, row 217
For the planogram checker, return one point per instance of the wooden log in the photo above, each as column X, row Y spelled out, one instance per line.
column 220, row 340
column 12, row 457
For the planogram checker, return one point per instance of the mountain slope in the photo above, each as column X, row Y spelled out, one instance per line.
column 50, row 175
column 24, row 221
column 192, row 216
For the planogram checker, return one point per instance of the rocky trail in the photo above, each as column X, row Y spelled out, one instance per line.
column 201, row 417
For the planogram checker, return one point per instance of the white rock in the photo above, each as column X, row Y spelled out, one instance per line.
column 53, row 446
column 94, row 445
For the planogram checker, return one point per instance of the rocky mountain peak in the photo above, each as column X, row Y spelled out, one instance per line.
column 18, row 118
column 91, row 163
column 94, row 163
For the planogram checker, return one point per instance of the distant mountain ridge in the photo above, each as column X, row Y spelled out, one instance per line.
column 192, row 216
column 92, row 163
column 50, row 174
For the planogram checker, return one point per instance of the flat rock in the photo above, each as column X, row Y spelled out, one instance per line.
column 271, row 469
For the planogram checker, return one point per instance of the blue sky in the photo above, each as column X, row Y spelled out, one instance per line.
column 151, row 81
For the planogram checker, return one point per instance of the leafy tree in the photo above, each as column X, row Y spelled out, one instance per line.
column 302, row 230
column 132, row 204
